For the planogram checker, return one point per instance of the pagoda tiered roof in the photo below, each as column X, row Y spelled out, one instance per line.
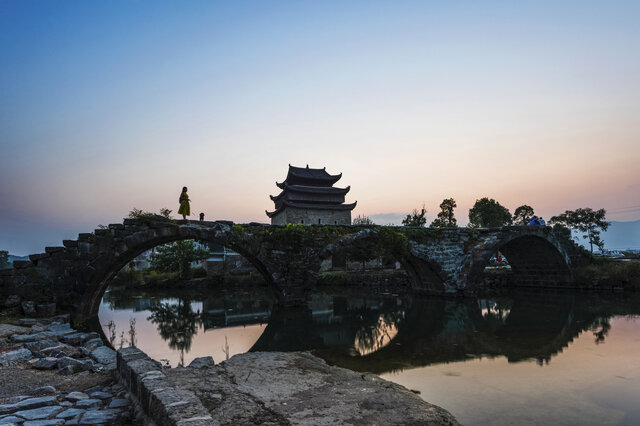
column 308, row 177
column 307, row 188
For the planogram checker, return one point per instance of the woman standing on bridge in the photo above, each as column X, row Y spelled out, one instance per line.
column 185, row 208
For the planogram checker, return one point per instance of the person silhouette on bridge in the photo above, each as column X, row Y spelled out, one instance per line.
column 185, row 208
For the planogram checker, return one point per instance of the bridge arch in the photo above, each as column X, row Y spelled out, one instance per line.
column 103, row 267
column 423, row 274
column 536, row 257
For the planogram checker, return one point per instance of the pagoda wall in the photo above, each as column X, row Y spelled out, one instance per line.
column 312, row 217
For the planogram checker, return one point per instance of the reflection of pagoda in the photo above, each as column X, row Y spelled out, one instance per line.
column 308, row 196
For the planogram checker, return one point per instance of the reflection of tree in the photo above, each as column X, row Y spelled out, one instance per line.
column 376, row 330
column 177, row 324
column 495, row 311
column 372, row 338
column 600, row 328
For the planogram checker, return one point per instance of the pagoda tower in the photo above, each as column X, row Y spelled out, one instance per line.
column 308, row 196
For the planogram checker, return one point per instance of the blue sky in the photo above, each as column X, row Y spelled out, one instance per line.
column 106, row 106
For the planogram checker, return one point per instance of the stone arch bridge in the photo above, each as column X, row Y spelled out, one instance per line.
column 446, row 261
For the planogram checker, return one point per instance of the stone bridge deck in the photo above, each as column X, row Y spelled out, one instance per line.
column 76, row 274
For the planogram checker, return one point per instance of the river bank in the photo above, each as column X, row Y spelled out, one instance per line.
column 51, row 374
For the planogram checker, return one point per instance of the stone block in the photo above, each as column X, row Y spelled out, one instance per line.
column 68, row 365
column 44, row 390
column 35, row 257
column 12, row 300
column 70, row 413
column 119, row 403
column 24, row 338
column 52, row 250
column 75, row 339
column 38, row 345
column 27, row 404
column 84, row 247
column 99, row 417
column 91, row 335
column 22, row 354
column 39, row 413
column 47, row 363
column 76, row 396
column 22, row 264
column 104, row 355
column 11, row 420
column 70, row 243
column 101, row 395
column 85, row 237
column 101, row 232
column 46, row 309
column 47, row 422
column 121, row 233
column 89, row 403
column 92, row 344
column 59, row 350
column 70, row 254
column 8, row 330
column 202, row 362
column 29, row 307
column 130, row 354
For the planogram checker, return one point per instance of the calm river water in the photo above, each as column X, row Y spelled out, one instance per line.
column 517, row 358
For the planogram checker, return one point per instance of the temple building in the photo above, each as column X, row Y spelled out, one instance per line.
column 308, row 196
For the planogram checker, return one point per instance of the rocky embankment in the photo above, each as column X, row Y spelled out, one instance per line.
column 270, row 388
column 51, row 374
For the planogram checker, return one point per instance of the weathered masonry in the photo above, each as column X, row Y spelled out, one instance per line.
column 76, row 274
column 309, row 197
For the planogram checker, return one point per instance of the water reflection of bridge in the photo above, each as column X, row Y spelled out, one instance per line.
column 431, row 331
column 385, row 333
column 222, row 312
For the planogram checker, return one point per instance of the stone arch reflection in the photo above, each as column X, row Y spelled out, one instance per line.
column 177, row 322
column 495, row 311
column 177, row 325
column 525, row 327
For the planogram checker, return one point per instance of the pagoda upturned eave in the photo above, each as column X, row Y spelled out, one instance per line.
column 309, row 206
column 311, row 192
column 309, row 177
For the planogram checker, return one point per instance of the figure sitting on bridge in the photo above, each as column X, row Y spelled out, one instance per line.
column 185, row 208
column 541, row 222
column 201, row 217
column 534, row 221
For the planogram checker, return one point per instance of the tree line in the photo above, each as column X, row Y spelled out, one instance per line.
column 488, row 213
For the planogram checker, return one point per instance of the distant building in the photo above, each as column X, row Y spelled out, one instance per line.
column 308, row 197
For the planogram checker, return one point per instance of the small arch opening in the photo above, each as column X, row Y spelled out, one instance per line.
column 186, row 299
column 527, row 261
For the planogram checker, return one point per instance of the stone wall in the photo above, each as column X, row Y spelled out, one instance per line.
column 159, row 397
column 312, row 217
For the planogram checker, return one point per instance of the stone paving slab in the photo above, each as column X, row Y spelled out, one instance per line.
column 41, row 378
column 293, row 388
column 7, row 330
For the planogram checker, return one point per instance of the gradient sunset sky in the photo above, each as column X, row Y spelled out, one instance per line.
column 110, row 105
